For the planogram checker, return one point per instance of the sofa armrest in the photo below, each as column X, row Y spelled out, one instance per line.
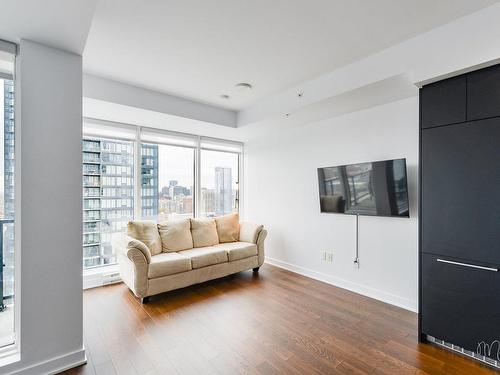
column 133, row 249
column 134, row 258
column 260, row 246
column 249, row 232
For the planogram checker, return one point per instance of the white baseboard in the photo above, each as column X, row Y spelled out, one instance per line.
column 54, row 365
column 380, row 295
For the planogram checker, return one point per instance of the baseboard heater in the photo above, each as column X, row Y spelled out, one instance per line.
column 458, row 349
column 111, row 278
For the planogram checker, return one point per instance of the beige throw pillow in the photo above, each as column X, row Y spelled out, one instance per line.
column 176, row 235
column 228, row 227
column 146, row 231
column 204, row 232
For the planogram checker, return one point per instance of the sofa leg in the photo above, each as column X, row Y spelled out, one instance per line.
column 256, row 269
column 144, row 300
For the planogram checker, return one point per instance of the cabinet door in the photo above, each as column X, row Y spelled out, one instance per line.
column 444, row 102
column 461, row 191
column 461, row 305
column 483, row 93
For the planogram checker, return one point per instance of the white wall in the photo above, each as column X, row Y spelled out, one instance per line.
column 49, row 171
column 282, row 193
column 282, row 154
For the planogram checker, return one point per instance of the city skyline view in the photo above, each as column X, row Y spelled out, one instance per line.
column 177, row 161
column 166, row 187
column 7, row 209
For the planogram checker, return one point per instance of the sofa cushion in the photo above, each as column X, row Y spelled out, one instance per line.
column 249, row 232
column 165, row 264
column 238, row 250
column 176, row 235
column 228, row 227
column 204, row 232
column 205, row 256
column 146, row 231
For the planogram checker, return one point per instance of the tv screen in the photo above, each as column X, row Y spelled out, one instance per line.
column 376, row 188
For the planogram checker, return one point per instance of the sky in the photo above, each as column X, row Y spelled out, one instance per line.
column 177, row 163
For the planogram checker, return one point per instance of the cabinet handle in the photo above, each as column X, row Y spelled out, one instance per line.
column 468, row 265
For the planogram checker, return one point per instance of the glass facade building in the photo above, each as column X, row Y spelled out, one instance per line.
column 149, row 181
column 223, row 191
column 8, row 188
column 108, row 194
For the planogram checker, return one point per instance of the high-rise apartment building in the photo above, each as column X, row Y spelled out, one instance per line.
column 223, row 191
column 108, row 194
column 8, row 190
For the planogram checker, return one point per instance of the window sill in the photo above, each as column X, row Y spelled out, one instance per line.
column 9, row 355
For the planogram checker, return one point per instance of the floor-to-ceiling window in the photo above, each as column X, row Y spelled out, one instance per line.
column 167, row 182
column 134, row 172
column 108, row 168
column 108, row 196
column 219, row 183
column 7, row 207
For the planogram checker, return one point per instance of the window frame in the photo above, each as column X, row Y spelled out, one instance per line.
column 133, row 133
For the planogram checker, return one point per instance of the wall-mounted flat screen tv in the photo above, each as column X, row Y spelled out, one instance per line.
column 377, row 188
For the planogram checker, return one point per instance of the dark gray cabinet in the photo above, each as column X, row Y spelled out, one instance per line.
column 459, row 212
column 444, row 102
column 483, row 93
column 461, row 304
column 461, row 190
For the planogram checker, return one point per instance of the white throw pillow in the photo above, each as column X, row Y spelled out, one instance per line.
column 176, row 235
column 204, row 232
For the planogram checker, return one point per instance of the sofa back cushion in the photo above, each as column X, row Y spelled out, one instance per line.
column 204, row 232
column 146, row 231
column 176, row 235
column 228, row 227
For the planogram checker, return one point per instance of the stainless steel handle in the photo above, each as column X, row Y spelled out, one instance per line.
column 468, row 265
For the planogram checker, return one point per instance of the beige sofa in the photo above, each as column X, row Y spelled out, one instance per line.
column 156, row 258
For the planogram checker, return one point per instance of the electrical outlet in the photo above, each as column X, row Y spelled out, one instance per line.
column 327, row 256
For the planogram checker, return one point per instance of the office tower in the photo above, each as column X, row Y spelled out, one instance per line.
column 223, row 191
column 149, row 181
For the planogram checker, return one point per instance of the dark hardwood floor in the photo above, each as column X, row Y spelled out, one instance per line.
column 276, row 322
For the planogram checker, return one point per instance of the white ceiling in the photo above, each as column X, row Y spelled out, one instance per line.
column 62, row 24
column 201, row 49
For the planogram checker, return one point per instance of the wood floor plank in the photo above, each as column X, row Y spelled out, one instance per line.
column 274, row 322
